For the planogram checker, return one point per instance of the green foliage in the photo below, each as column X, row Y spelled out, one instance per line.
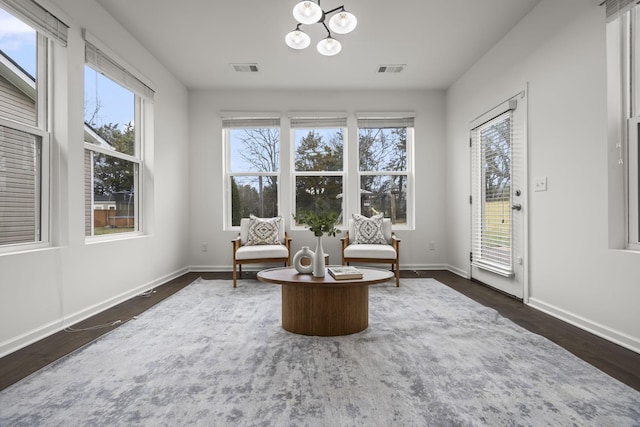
column 320, row 221
column 123, row 142
column 315, row 153
column 235, row 203
column 112, row 174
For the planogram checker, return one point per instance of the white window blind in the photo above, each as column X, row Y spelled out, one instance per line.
column 19, row 186
column 615, row 8
column 39, row 17
column 250, row 122
column 491, row 193
column 318, row 122
column 385, row 122
column 102, row 63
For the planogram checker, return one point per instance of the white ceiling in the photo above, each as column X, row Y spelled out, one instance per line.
column 438, row 40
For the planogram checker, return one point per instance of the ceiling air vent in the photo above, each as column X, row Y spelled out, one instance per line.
column 391, row 68
column 245, row 68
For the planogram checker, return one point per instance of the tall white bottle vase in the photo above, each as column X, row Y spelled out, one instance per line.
column 318, row 260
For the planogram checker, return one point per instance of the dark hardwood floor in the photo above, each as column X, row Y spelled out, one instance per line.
column 615, row 360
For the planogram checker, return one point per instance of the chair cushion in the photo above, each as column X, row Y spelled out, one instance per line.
column 375, row 251
column 368, row 231
column 263, row 231
column 261, row 251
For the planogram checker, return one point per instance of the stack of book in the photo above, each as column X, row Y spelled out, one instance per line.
column 345, row 272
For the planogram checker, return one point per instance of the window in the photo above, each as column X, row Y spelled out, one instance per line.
column 252, row 167
column 384, row 150
column 623, row 50
column 27, row 29
column 318, row 164
column 113, row 121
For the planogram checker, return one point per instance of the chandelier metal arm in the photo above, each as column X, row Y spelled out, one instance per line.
column 341, row 8
column 326, row 28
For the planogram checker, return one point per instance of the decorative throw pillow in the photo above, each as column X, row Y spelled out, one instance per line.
column 368, row 231
column 263, row 231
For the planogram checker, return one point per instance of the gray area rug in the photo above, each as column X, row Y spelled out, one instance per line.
column 212, row 355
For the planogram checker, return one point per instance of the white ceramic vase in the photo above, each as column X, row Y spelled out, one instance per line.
column 304, row 253
column 318, row 260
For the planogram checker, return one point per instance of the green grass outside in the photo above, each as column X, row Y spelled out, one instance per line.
column 111, row 230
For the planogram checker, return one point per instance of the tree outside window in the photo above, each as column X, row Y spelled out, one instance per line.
column 319, row 165
column 253, row 147
column 384, row 168
column 112, row 159
column 318, row 169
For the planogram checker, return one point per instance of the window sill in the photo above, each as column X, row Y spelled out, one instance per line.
column 90, row 240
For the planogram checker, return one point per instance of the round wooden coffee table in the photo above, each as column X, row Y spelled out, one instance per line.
column 324, row 306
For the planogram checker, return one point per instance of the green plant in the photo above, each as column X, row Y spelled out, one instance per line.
column 320, row 222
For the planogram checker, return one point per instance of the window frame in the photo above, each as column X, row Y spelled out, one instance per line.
column 631, row 152
column 623, row 61
column 138, row 164
column 242, row 121
column 632, row 180
column 41, row 130
column 384, row 119
column 103, row 61
column 331, row 121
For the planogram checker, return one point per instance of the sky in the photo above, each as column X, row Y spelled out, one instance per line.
column 18, row 41
column 116, row 103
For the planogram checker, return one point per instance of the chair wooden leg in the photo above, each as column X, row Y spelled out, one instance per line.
column 397, row 276
column 234, row 274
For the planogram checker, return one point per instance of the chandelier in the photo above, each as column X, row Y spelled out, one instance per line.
column 307, row 12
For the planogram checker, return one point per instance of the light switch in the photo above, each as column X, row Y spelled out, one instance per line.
column 541, row 184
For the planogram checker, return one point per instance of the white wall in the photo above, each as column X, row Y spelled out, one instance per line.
column 559, row 51
column 206, row 220
column 46, row 290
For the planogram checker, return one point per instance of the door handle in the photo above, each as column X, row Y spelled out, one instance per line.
column 516, row 207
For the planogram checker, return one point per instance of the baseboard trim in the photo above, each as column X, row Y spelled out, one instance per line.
column 51, row 328
column 455, row 270
column 597, row 329
column 28, row 338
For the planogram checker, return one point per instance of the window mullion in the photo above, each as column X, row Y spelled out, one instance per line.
column 318, row 173
column 112, row 153
column 376, row 173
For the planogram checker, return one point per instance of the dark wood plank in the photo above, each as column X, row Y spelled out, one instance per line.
column 613, row 359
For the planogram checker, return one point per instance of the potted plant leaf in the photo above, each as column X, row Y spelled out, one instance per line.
column 320, row 222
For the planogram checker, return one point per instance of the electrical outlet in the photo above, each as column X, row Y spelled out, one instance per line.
column 541, row 184
column 432, row 246
column 205, row 247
